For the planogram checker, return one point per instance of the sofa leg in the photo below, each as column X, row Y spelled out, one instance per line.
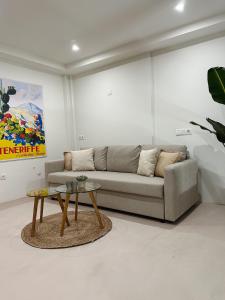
column 163, row 221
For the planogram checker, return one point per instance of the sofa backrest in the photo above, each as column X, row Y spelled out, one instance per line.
column 125, row 158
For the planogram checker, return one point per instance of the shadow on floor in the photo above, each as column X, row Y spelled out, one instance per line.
column 127, row 216
column 136, row 218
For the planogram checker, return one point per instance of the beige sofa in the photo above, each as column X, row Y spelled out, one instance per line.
column 122, row 189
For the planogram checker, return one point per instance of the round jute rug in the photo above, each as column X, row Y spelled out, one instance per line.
column 85, row 230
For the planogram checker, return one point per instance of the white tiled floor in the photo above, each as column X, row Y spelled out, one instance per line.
column 140, row 259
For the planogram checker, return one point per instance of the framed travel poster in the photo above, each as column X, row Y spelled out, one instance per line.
column 22, row 133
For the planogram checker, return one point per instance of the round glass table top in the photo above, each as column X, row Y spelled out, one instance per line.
column 42, row 192
column 77, row 188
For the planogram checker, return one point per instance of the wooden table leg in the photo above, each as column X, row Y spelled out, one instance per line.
column 42, row 209
column 65, row 214
column 36, row 199
column 76, row 206
column 62, row 208
column 91, row 194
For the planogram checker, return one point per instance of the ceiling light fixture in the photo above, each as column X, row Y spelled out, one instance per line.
column 180, row 6
column 75, row 47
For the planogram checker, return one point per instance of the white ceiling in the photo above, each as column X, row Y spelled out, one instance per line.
column 43, row 29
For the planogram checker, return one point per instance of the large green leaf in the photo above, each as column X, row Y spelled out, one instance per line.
column 218, row 127
column 220, row 130
column 216, row 82
column 202, row 127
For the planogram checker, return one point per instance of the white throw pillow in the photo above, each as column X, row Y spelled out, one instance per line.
column 147, row 162
column 83, row 160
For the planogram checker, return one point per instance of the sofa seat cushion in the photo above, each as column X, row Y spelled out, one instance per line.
column 115, row 181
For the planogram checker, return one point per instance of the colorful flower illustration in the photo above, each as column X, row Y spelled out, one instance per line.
column 16, row 130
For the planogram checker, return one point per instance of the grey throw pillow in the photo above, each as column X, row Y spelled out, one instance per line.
column 123, row 158
column 100, row 158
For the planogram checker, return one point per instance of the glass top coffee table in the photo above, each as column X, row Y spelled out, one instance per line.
column 88, row 187
column 41, row 194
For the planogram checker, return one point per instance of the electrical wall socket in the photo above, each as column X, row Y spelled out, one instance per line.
column 3, row 176
column 109, row 93
column 82, row 137
column 183, row 131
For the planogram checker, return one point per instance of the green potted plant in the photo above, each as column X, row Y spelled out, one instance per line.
column 216, row 83
column 81, row 180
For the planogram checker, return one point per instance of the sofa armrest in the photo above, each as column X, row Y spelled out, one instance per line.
column 53, row 166
column 180, row 188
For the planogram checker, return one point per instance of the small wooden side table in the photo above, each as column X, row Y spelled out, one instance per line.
column 41, row 194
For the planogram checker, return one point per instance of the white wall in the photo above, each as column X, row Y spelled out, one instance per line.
column 181, row 95
column 123, row 117
column 22, row 174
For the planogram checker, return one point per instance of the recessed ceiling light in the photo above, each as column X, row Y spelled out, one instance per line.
column 75, row 47
column 180, row 6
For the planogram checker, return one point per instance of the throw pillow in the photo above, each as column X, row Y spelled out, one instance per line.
column 67, row 161
column 169, row 148
column 83, row 160
column 123, row 158
column 147, row 162
column 100, row 158
column 165, row 159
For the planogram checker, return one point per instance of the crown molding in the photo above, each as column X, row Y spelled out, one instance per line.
column 11, row 55
column 208, row 28
column 115, row 64
column 194, row 33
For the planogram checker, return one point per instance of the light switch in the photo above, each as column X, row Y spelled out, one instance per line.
column 183, row 131
column 82, row 137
